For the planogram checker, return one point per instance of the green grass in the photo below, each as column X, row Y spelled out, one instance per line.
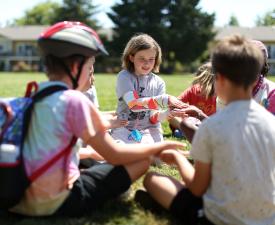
column 126, row 212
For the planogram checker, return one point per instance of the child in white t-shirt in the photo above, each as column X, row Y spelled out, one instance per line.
column 264, row 89
column 232, row 181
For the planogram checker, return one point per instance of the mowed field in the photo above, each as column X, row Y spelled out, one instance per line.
column 14, row 84
column 125, row 211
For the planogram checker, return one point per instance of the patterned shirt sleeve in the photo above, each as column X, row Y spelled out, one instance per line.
column 82, row 115
column 137, row 104
column 127, row 91
column 271, row 102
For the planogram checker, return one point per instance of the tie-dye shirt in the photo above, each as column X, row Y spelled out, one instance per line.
column 55, row 120
column 266, row 95
column 263, row 93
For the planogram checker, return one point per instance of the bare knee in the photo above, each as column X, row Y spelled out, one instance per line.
column 137, row 169
column 148, row 179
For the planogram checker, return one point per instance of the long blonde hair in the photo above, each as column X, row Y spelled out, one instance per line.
column 204, row 77
column 137, row 43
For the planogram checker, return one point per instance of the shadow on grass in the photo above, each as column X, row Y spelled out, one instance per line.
column 113, row 212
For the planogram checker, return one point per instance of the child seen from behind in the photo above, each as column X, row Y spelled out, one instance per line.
column 69, row 50
column 233, row 177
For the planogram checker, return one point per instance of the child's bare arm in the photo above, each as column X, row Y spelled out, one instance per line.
column 118, row 154
column 89, row 152
column 160, row 116
column 115, row 122
column 196, row 178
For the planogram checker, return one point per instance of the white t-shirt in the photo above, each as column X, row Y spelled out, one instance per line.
column 239, row 142
column 92, row 95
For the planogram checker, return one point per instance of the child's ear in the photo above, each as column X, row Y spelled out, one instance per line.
column 74, row 68
column 131, row 58
column 220, row 78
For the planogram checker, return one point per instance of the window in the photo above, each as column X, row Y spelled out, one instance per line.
column 25, row 50
column 271, row 51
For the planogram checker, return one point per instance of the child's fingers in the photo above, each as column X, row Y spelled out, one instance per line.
column 176, row 145
column 123, row 122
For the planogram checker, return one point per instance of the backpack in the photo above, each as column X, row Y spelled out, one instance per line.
column 15, row 117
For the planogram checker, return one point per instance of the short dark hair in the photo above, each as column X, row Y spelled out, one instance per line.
column 236, row 58
column 55, row 65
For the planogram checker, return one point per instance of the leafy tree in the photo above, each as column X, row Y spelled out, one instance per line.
column 233, row 21
column 77, row 10
column 49, row 12
column 267, row 20
column 41, row 14
column 179, row 26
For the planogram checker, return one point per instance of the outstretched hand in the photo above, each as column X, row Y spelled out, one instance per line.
column 189, row 111
column 172, row 156
column 116, row 123
column 172, row 145
column 177, row 113
column 174, row 102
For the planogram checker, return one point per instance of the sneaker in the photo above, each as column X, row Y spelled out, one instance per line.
column 145, row 200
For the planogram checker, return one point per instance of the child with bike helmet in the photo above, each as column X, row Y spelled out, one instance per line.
column 69, row 49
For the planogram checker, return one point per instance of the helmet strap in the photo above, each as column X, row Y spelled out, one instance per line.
column 74, row 80
column 80, row 67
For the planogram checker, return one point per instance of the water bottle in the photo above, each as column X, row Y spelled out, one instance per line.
column 9, row 153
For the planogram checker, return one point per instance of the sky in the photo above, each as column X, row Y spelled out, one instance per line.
column 246, row 11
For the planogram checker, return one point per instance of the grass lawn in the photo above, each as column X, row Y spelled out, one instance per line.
column 126, row 212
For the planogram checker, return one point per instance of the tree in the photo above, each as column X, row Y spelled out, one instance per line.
column 49, row 13
column 41, row 14
column 267, row 20
column 179, row 26
column 233, row 21
column 77, row 10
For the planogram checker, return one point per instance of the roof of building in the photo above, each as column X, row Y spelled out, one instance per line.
column 19, row 33
column 264, row 34
column 30, row 33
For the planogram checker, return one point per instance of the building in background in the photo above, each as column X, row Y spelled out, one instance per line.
column 19, row 52
column 263, row 34
column 18, row 48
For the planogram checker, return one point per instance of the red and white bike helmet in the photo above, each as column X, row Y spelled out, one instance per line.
column 70, row 38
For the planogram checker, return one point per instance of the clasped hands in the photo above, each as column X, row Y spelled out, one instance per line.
column 180, row 109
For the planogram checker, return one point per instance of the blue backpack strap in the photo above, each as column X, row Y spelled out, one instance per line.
column 37, row 97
